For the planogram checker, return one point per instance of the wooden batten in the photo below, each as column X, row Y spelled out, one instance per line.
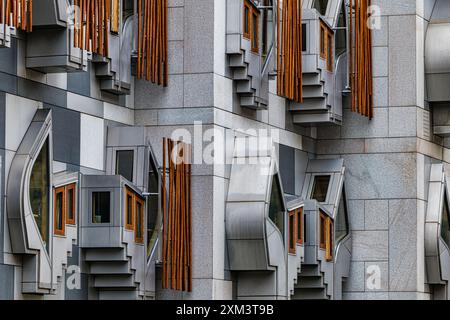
column 17, row 13
column 360, row 66
column 177, row 216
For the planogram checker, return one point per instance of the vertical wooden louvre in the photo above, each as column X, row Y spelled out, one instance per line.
column 289, row 44
column 361, row 58
column 177, row 216
column 152, row 41
column 17, row 13
column 92, row 26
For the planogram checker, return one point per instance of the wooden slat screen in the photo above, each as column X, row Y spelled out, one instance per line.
column 177, row 216
column 17, row 13
column 92, row 26
column 115, row 16
column 360, row 67
column 289, row 44
column 152, row 41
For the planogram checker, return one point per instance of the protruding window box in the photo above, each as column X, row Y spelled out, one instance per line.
column 112, row 212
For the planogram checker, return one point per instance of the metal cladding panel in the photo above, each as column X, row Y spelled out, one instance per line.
column 50, row 13
column 247, row 255
column 245, row 220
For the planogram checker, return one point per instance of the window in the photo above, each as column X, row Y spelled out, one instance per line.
column 139, row 231
column 129, row 209
column 267, row 29
column 152, row 203
column 71, row 203
column 101, row 207
column 322, row 227
column 320, row 188
column 124, row 164
column 40, row 192
column 59, row 223
column 292, row 232
column 247, row 19
column 276, row 208
column 255, row 30
column 321, row 6
column 445, row 222
column 330, row 52
column 251, row 25
column 322, row 41
column 299, row 213
column 341, row 219
column 341, row 33
column 304, row 35
column 326, row 235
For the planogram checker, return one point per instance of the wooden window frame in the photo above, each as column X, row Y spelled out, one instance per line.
column 139, row 200
column 326, row 45
column 330, row 52
column 255, row 33
column 323, row 44
column 56, row 230
column 115, row 20
column 329, row 239
column 322, row 231
column 69, row 187
column 292, row 237
column 300, row 226
column 131, row 194
column 248, row 15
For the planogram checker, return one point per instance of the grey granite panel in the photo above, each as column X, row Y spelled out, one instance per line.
column 7, row 282
column 8, row 83
column 41, row 92
column 8, row 58
column 80, row 82
column 66, row 135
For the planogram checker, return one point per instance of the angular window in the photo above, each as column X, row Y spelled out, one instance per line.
column 330, row 52
column 322, row 229
column 445, row 224
column 153, row 203
column 124, row 164
column 322, row 41
column 71, row 204
column 304, row 35
column 39, row 192
column 101, row 207
column 59, row 212
column 341, row 33
column 321, row 6
column 292, row 232
column 129, row 216
column 276, row 208
column 267, row 29
column 139, row 231
column 320, row 188
column 341, row 219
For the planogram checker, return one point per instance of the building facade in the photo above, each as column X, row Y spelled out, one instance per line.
column 314, row 136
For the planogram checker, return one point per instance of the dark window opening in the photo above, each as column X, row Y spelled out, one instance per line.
column 152, row 203
column 255, row 31
column 292, row 235
column 276, row 207
column 341, row 33
column 129, row 195
column 341, row 220
column 445, row 224
column 139, row 231
column 71, row 204
column 101, row 207
column 59, row 212
column 321, row 6
column 304, row 35
column 39, row 192
column 300, row 226
column 323, row 231
column 124, row 163
column 320, row 188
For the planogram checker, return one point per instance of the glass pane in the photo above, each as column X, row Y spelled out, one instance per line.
column 276, row 208
column 129, row 209
column 255, row 32
column 341, row 33
column 299, row 225
column 445, row 225
column 59, row 211
column 322, row 230
column 267, row 26
column 321, row 6
column 291, row 232
column 39, row 192
column 101, row 207
column 153, row 180
column 304, row 42
column 246, row 20
column 138, row 220
column 70, row 206
column 152, row 202
column 320, row 188
column 124, row 164
column 341, row 219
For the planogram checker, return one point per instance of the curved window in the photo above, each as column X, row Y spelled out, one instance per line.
column 341, row 220
column 276, row 208
column 445, row 225
column 152, row 203
column 39, row 192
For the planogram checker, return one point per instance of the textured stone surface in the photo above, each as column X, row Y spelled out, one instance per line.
column 376, row 215
column 370, row 245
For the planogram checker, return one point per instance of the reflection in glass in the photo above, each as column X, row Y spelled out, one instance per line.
column 320, row 188
column 101, row 207
column 124, row 164
column 39, row 192
column 276, row 207
column 152, row 203
column 445, row 225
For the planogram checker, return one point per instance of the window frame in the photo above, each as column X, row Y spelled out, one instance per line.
column 255, row 33
column 326, row 38
column 314, row 183
column 247, row 17
column 322, row 231
column 300, row 226
column 329, row 239
column 139, row 200
column 117, row 163
column 250, row 30
column 129, row 194
column 72, row 186
column 292, row 236
column 57, row 231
